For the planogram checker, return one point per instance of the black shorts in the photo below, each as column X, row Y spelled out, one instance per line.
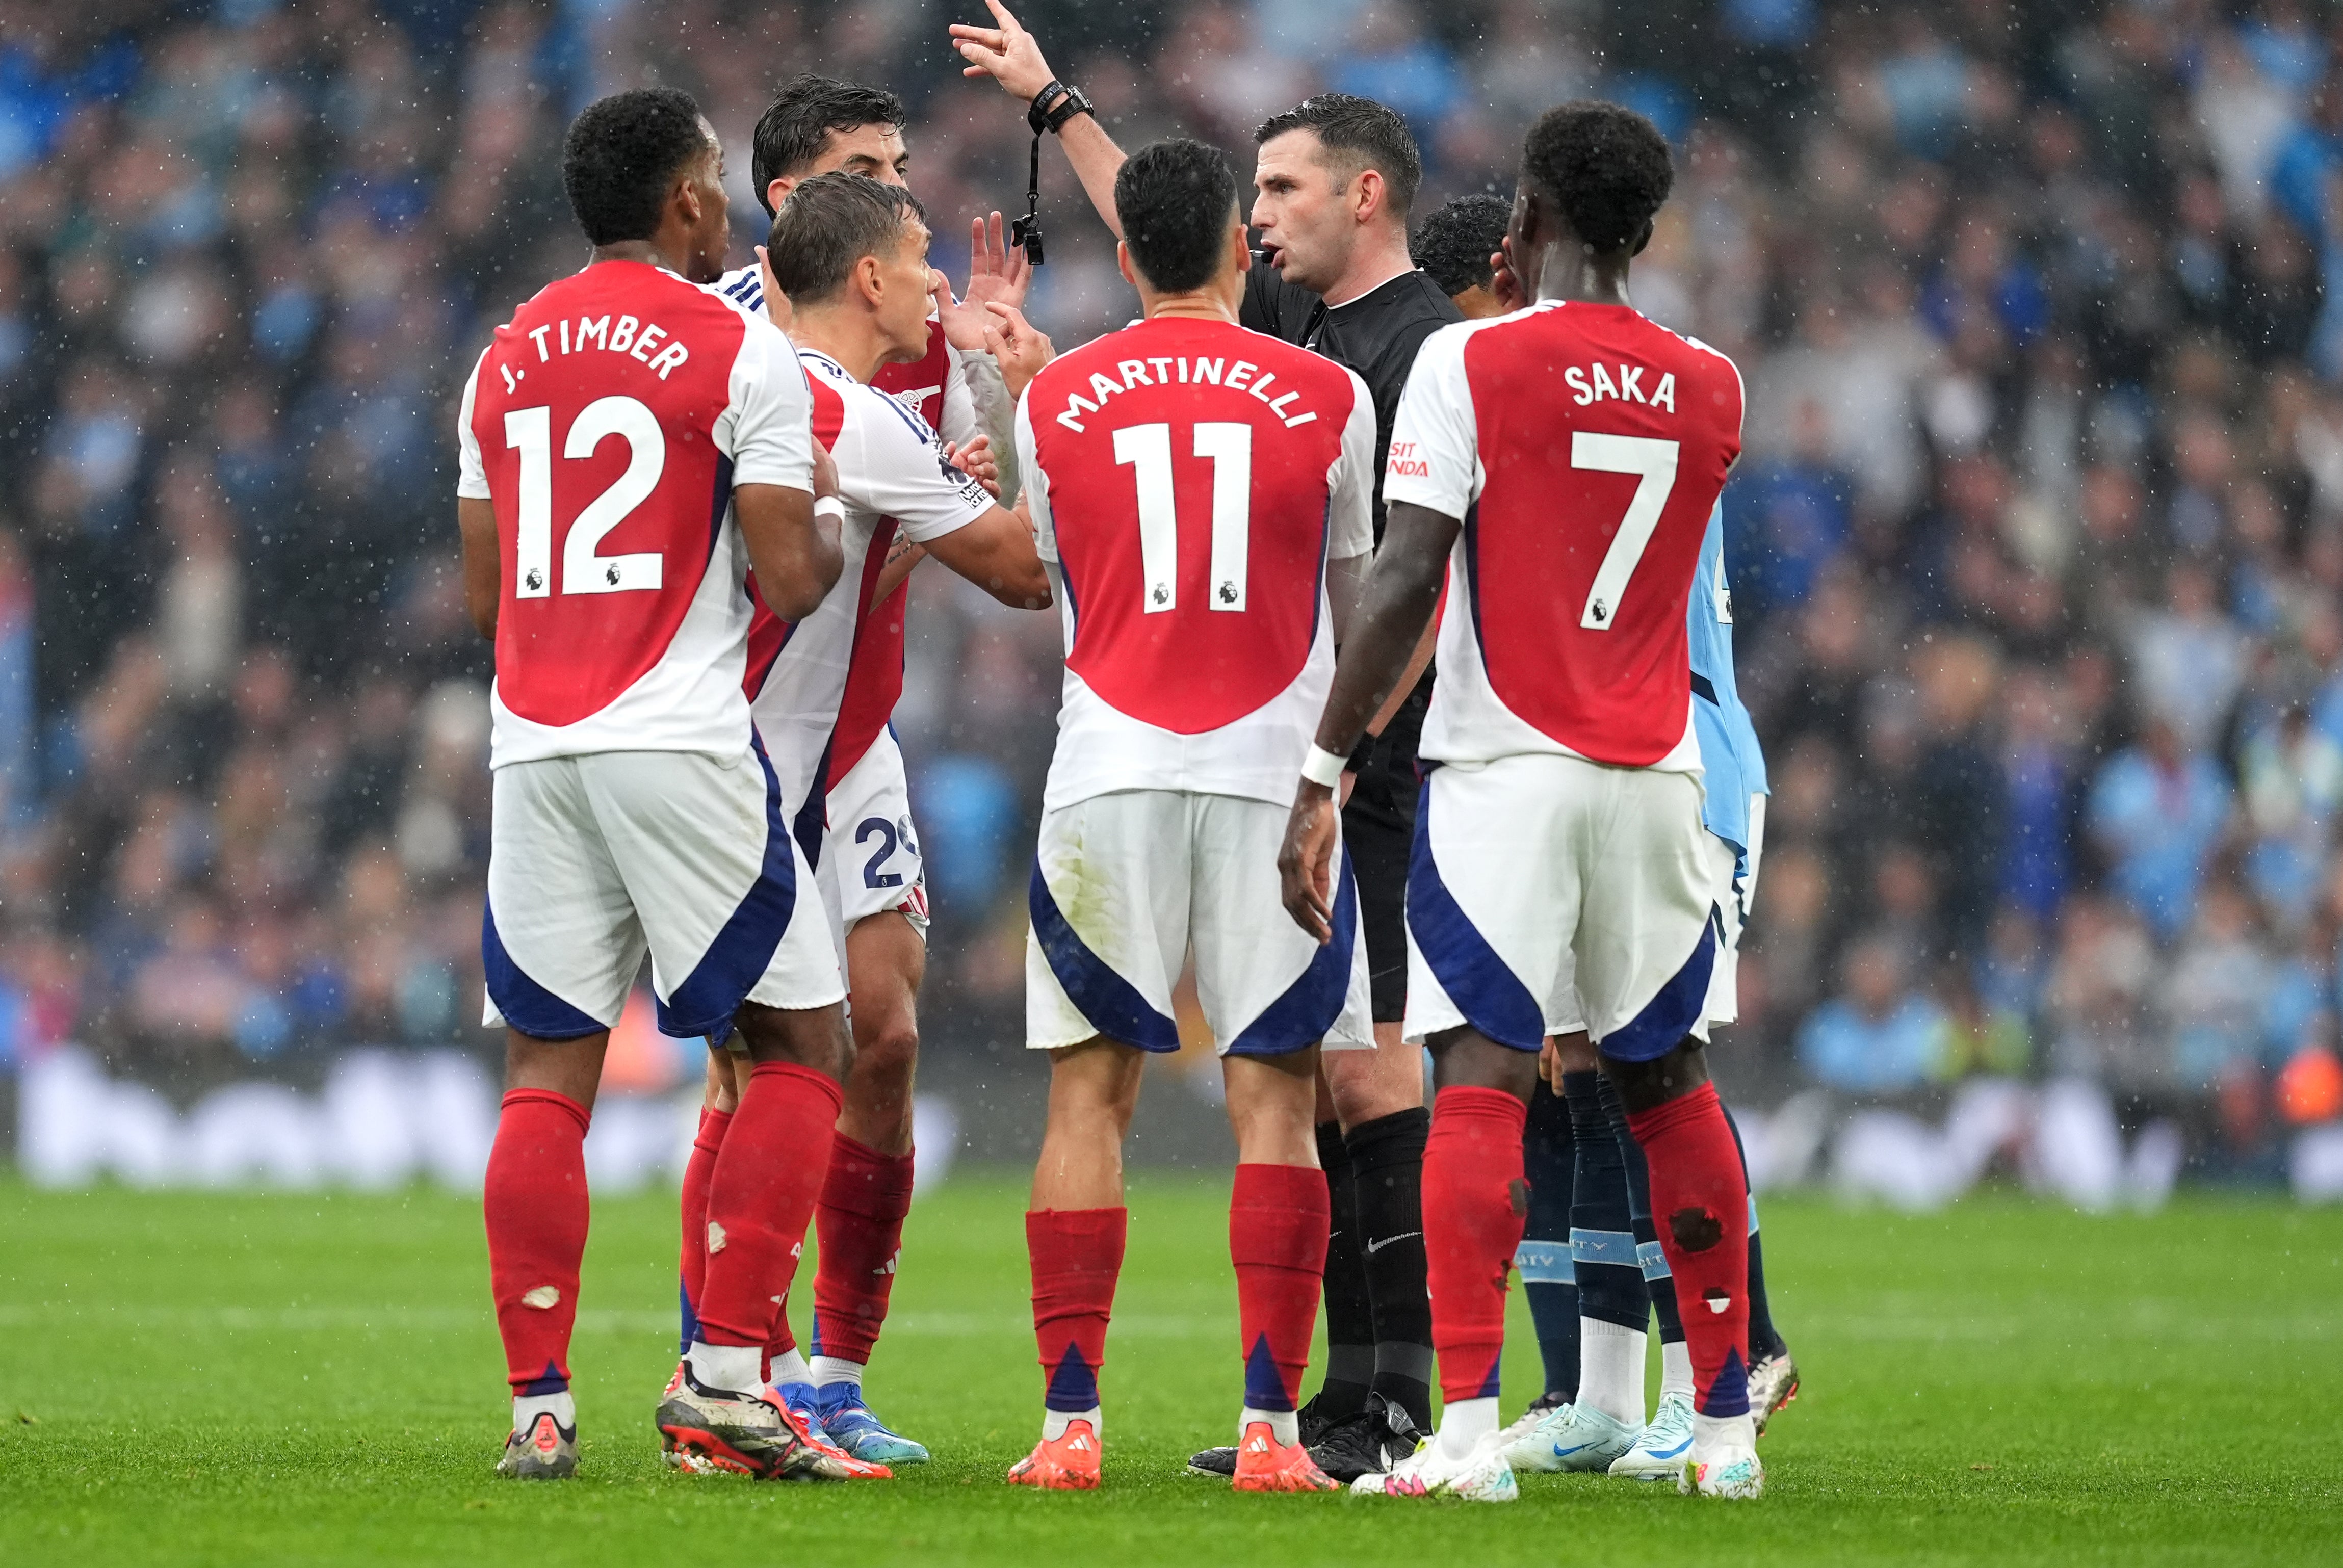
column 1379, row 830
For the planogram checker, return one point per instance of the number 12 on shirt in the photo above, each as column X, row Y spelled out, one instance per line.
column 1148, row 449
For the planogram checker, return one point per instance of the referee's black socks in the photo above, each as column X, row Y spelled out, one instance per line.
column 1387, row 1157
column 1349, row 1307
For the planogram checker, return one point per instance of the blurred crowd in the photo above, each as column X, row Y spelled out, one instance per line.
column 2036, row 548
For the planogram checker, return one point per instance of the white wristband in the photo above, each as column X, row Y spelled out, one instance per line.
column 1323, row 767
column 829, row 507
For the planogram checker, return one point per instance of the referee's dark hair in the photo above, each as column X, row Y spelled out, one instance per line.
column 790, row 133
column 1176, row 199
column 1606, row 168
column 1454, row 244
column 828, row 222
column 1361, row 132
column 622, row 153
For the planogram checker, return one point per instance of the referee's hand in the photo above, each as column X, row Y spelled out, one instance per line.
column 1007, row 54
column 1305, row 862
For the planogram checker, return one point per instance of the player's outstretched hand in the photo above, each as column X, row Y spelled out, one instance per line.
column 1016, row 345
column 998, row 272
column 976, row 460
column 1305, row 862
column 1007, row 54
column 964, row 321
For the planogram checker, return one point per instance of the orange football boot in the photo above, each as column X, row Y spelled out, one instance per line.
column 1069, row 1462
column 1265, row 1464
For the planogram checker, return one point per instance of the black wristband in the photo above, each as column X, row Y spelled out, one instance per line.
column 1053, row 106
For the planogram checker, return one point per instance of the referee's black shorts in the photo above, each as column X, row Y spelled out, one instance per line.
column 1379, row 830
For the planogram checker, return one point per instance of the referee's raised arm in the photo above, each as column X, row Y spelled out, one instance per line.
column 1010, row 57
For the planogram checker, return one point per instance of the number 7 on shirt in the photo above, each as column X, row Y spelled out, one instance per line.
column 1654, row 462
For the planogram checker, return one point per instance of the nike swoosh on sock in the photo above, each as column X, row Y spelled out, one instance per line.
column 1374, row 1247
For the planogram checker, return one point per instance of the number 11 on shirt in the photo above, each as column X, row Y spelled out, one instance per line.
column 1148, row 449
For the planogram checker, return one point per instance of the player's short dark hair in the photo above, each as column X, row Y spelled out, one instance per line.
column 790, row 133
column 1454, row 244
column 1606, row 167
column 828, row 222
column 621, row 153
column 1361, row 132
column 1175, row 198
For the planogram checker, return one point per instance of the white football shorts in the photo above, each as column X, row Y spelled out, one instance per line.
column 1126, row 885
column 1732, row 899
column 594, row 859
column 870, row 862
column 1547, row 894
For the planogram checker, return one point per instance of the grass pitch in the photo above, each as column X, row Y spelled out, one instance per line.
column 232, row 1379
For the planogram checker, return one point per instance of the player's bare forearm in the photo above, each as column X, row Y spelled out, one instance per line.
column 1011, row 57
column 901, row 557
column 475, row 524
column 996, row 553
column 795, row 553
column 1402, row 593
column 1417, row 663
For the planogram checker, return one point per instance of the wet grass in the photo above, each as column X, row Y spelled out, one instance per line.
column 238, row 1378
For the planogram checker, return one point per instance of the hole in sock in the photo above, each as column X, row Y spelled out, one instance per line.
column 1695, row 1229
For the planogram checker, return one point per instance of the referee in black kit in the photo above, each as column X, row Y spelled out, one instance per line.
column 1336, row 177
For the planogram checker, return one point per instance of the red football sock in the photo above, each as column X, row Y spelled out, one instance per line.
column 1700, row 1203
column 536, row 1213
column 860, row 1225
column 1077, row 1256
column 1474, row 1205
column 697, row 1172
column 761, row 1197
column 1278, row 1216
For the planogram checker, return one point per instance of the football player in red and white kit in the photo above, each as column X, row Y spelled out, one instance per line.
column 635, row 807
column 1555, row 467
column 1202, row 493
column 850, row 253
column 975, row 358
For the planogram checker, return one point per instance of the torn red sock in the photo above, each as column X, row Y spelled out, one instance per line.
column 1475, row 1206
column 761, row 1197
column 1076, row 1256
column 536, row 1208
column 1700, row 1204
column 858, row 1224
column 1278, row 1216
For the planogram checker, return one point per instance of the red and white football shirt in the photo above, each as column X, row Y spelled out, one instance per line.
column 1190, row 480
column 935, row 385
column 1582, row 446
column 607, row 424
column 891, row 475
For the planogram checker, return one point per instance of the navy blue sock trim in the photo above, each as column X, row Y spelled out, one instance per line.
column 1603, row 1250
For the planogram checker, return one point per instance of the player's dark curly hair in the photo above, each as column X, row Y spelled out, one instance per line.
column 1360, row 132
column 621, row 155
column 1454, row 244
column 1175, row 198
column 1606, row 167
column 828, row 222
column 790, row 133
